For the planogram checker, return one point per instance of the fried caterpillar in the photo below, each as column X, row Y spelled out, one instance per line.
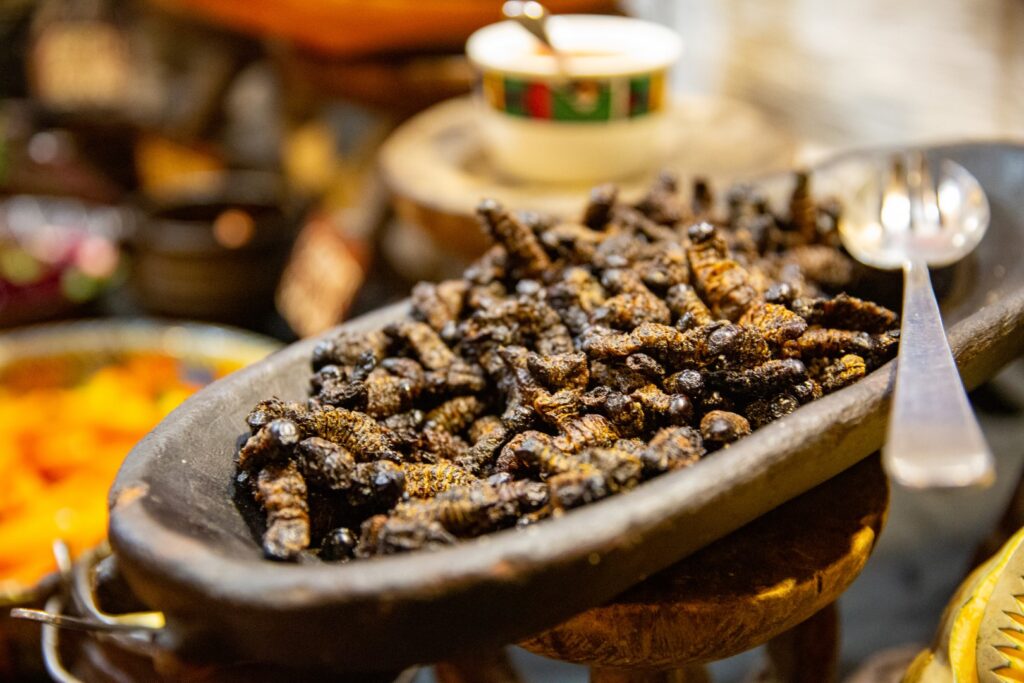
column 573, row 361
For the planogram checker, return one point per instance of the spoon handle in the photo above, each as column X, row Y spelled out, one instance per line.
column 934, row 440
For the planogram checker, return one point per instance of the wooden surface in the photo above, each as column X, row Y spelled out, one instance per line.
column 398, row 85
column 355, row 27
column 437, row 169
column 740, row 591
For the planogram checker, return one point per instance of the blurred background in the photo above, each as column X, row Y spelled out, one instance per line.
column 217, row 160
column 163, row 156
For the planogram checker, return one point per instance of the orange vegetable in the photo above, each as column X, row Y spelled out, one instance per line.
column 65, row 427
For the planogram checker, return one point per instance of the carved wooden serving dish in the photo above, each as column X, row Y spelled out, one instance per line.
column 186, row 549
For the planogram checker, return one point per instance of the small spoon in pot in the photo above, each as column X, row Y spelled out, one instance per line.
column 534, row 16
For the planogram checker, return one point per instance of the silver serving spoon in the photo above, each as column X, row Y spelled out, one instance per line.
column 934, row 440
column 534, row 16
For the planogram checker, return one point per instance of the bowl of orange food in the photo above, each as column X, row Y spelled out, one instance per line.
column 74, row 398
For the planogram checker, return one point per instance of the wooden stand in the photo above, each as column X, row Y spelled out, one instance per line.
column 774, row 581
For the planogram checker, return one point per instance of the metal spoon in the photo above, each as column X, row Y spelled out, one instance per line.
column 934, row 440
column 534, row 16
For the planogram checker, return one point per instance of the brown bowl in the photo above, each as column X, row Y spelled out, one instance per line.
column 185, row 547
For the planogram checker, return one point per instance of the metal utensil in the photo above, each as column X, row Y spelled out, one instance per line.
column 534, row 16
column 934, row 440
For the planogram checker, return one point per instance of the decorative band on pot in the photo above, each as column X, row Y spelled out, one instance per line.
column 577, row 99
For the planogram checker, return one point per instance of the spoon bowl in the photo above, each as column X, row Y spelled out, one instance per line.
column 890, row 223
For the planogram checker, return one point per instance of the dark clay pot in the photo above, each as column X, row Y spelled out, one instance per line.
column 213, row 258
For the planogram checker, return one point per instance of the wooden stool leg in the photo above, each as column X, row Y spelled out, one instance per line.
column 488, row 667
column 808, row 652
column 691, row 674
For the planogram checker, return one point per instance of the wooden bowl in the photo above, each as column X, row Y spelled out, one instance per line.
column 186, row 549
